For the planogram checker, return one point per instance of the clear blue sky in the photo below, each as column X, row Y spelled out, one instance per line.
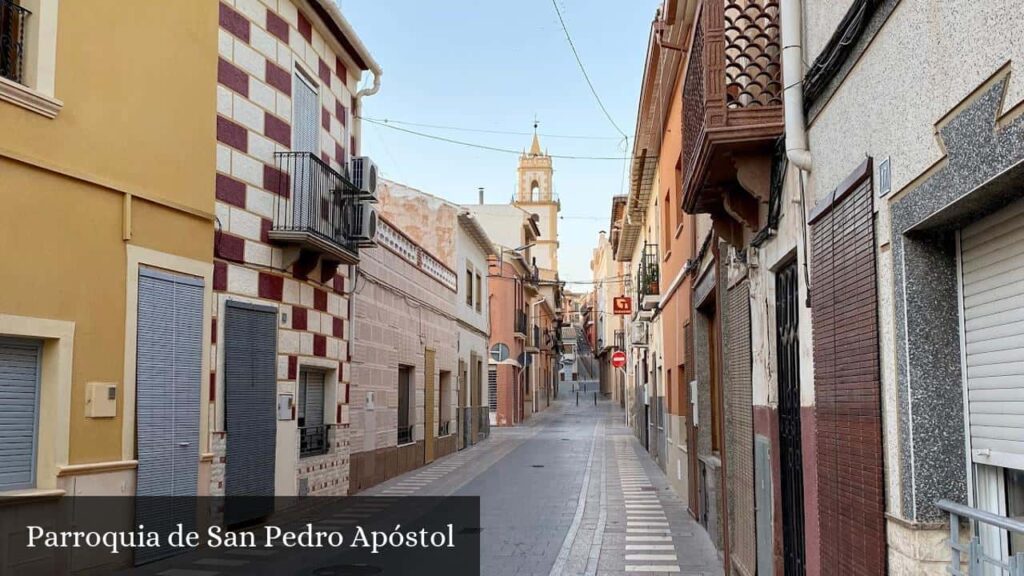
column 494, row 65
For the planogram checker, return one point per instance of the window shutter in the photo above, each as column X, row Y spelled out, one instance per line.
column 19, row 404
column 992, row 258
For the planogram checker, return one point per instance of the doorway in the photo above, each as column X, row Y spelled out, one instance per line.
column 790, row 448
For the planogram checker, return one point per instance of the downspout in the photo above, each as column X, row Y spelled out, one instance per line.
column 797, row 150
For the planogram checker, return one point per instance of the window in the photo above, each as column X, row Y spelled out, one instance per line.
column 499, row 352
column 479, row 292
column 469, row 287
column 28, row 54
column 444, row 404
column 19, row 412
column 13, row 24
column 666, row 220
column 678, row 190
column 1015, row 505
column 405, row 395
column 312, row 431
column 534, row 191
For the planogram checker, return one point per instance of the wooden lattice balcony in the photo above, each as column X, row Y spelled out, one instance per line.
column 732, row 96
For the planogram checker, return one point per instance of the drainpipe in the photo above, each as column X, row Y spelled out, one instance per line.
column 797, row 150
column 534, row 365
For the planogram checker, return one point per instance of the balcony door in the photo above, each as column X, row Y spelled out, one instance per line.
column 305, row 138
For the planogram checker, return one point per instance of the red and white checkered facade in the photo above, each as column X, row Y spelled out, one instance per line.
column 262, row 44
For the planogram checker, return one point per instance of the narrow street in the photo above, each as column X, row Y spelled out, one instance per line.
column 570, row 492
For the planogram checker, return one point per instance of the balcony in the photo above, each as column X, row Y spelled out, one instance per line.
column 648, row 278
column 520, row 324
column 312, row 441
column 732, row 105
column 317, row 210
column 13, row 24
column 620, row 339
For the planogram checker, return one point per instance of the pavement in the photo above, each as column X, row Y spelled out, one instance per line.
column 568, row 492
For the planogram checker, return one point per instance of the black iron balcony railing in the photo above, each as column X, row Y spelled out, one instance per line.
column 404, row 434
column 316, row 208
column 13, row 22
column 648, row 273
column 620, row 339
column 312, row 441
column 520, row 322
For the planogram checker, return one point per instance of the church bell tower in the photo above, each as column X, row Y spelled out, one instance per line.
column 535, row 194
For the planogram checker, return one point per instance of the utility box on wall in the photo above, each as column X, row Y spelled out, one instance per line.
column 101, row 400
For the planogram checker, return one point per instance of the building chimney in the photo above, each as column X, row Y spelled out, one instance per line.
column 481, row 195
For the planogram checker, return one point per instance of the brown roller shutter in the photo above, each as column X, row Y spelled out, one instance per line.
column 848, row 407
column 740, row 431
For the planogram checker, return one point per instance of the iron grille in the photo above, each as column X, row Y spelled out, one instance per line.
column 790, row 449
column 648, row 273
column 312, row 441
column 313, row 198
column 404, row 434
column 13, row 22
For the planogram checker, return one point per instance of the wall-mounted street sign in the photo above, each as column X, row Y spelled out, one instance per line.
column 622, row 305
column 618, row 359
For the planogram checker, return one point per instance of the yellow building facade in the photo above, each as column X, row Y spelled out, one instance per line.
column 106, row 162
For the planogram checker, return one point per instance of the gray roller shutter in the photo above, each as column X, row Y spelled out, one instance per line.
column 311, row 394
column 250, row 396
column 19, row 407
column 167, row 380
column 992, row 262
column 306, row 138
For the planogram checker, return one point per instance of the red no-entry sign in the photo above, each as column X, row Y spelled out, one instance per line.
column 618, row 359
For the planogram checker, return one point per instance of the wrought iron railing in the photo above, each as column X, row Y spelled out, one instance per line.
column 620, row 339
column 978, row 560
column 404, row 434
column 314, row 199
column 312, row 441
column 13, row 22
column 648, row 273
column 444, row 428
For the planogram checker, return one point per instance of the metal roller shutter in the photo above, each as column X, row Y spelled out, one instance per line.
column 168, row 378
column 19, row 407
column 992, row 275
column 250, row 399
column 313, row 397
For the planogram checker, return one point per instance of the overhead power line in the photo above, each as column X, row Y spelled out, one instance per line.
column 489, row 131
column 484, row 146
column 584, row 70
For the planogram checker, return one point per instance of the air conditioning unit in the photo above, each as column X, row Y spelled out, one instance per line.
column 364, row 176
column 639, row 334
column 364, row 225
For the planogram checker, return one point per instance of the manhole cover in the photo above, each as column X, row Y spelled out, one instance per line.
column 347, row 570
column 537, row 465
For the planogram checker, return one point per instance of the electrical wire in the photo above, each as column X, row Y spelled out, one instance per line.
column 584, row 70
column 487, row 131
column 484, row 146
